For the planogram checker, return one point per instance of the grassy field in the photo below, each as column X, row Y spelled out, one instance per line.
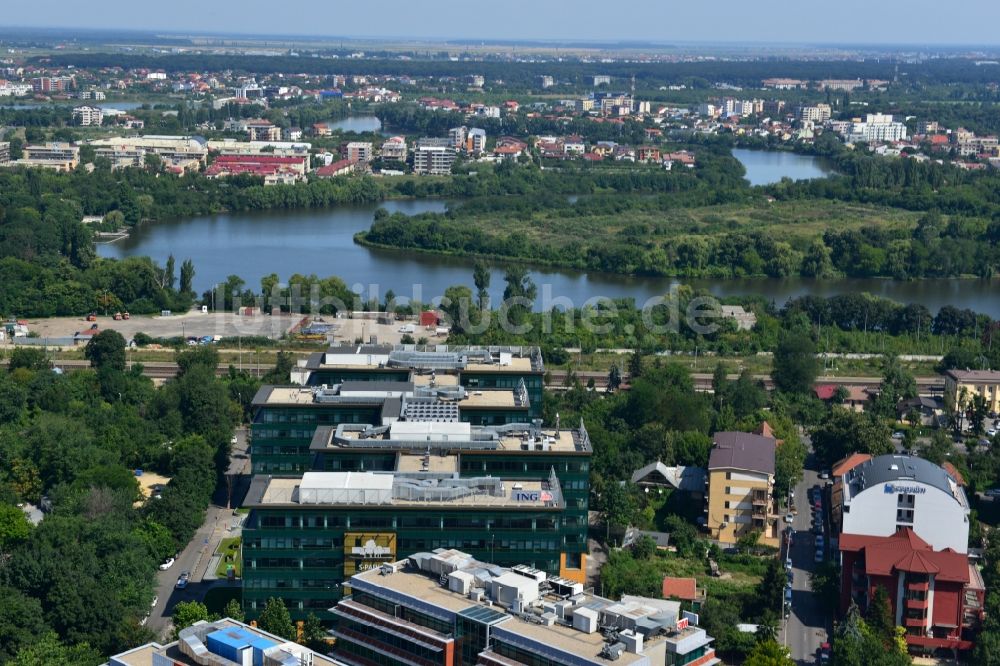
column 230, row 551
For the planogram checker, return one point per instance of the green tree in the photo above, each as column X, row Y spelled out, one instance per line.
column 614, row 378
column 187, row 277
column 843, row 432
column 878, row 617
column 234, row 610
column 169, row 278
column 456, row 305
column 795, row 365
column 314, row 636
column 481, row 277
column 187, row 613
column 50, row 651
column 106, row 350
column 771, row 591
column 897, row 384
column 619, row 506
column 14, row 527
column 276, row 620
column 29, row 358
column 769, row 653
column 21, row 622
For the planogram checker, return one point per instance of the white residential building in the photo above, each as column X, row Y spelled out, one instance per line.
column 88, row 116
column 360, row 151
column 876, row 127
column 433, row 157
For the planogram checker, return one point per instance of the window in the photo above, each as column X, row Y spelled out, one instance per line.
column 727, row 504
column 904, row 516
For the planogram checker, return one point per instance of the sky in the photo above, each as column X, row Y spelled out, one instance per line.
column 842, row 22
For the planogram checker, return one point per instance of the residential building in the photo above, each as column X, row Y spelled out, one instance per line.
column 262, row 130
column 683, row 589
column 688, row 478
column 394, row 148
column 275, row 170
column 816, row 113
column 935, row 595
column 361, row 152
column 58, row 156
column 171, row 149
column 601, row 80
column 961, row 386
column 122, row 157
column 784, row 84
column 225, row 642
column 457, row 137
column 875, row 128
column 87, row 116
column 339, row 168
column 433, row 157
column 4, row 152
column 476, row 141
column 510, row 494
column 740, row 487
column 546, row 81
column 888, row 493
column 445, row 607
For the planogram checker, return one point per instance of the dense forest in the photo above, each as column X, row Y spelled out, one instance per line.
column 69, row 443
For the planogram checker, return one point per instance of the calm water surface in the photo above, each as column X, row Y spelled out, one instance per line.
column 769, row 166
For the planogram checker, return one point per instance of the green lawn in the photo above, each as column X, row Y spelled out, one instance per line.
column 229, row 549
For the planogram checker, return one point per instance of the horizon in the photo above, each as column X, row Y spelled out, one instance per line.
column 893, row 23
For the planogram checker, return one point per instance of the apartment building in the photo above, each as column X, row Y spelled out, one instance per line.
column 87, row 116
column 446, row 607
column 58, row 156
column 740, row 487
column 394, row 148
column 262, row 130
column 876, row 127
column 361, row 152
column 816, row 113
column 171, row 149
column 433, row 157
column 961, row 386
column 122, row 157
column 507, row 494
column 4, row 152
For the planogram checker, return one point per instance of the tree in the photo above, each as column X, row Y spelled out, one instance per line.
column 519, row 295
column 21, row 622
column 106, row 350
column 14, row 527
column 635, row 366
column 276, row 620
column 234, row 610
column 49, row 651
column 187, row 277
column 843, row 432
column 879, row 618
column 769, row 653
column 314, row 636
column 456, row 305
column 187, row 613
column 772, row 586
column 29, row 358
column 168, row 273
column 897, row 384
column 481, row 277
column 614, row 378
column 619, row 506
column 795, row 363
column 644, row 548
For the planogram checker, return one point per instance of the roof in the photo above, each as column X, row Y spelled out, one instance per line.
column 905, row 551
column 953, row 473
column 888, row 468
column 982, row 376
column 742, row 450
column 825, row 391
column 690, row 479
column 844, row 465
column 685, row 589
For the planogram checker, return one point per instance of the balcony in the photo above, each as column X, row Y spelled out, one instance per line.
column 917, row 586
column 915, row 622
column 759, row 497
column 916, row 604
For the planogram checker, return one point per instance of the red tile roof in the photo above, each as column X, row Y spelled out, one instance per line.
column 905, row 551
column 953, row 473
column 335, row 169
column 845, row 465
column 825, row 391
column 685, row 589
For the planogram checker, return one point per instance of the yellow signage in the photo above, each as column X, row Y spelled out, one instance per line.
column 367, row 550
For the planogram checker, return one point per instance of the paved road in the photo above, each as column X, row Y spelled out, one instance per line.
column 196, row 556
column 806, row 628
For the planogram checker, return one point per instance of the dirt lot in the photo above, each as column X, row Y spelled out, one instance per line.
column 198, row 324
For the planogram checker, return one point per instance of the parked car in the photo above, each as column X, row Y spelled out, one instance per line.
column 167, row 563
column 825, row 474
column 155, row 601
column 182, row 580
column 818, row 557
column 789, row 518
column 820, row 542
column 898, row 434
column 993, row 492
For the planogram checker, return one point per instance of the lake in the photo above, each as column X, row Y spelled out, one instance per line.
column 357, row 124
column 256, row 244
column 770, row 166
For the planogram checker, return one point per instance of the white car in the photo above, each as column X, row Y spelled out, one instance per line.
column 789, row 518
column 169, row 562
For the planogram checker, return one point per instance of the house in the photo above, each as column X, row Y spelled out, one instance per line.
column 960, row 386
column 684, row 478
column 684, row 589
column 633, row 536
column 740, row 487
column 340, row 168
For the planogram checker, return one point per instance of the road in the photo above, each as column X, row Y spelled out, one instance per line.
column 197, row 555
column 806, row 628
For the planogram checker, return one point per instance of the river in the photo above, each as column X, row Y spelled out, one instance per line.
column 255, row 244
column 770, row 166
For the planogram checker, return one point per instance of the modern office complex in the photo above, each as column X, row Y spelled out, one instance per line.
column 223, row 643
column 508, row 494
column 447, row 608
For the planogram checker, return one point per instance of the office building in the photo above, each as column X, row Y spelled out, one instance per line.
column 360, row 151
column 171, row 149
column 433, row 157
column 287, row 419
column 475, row 368
column 447, row 608
column 225, row 642
column 510, row 494
column 888, row 493
column 740, row 487
column 122, row 157
column 87, row 116
column 961, row 386
column 57, row 156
